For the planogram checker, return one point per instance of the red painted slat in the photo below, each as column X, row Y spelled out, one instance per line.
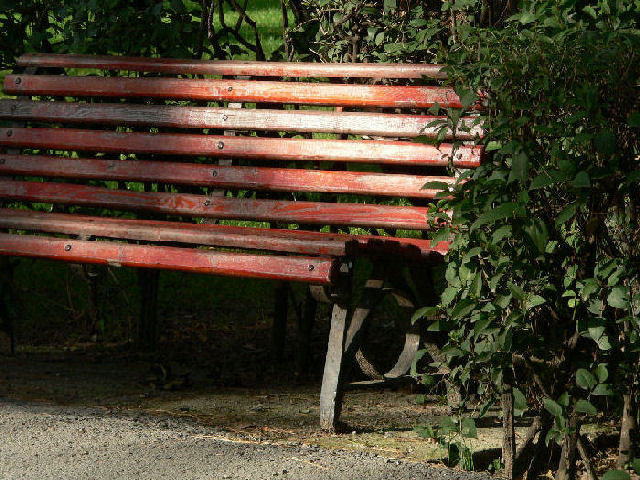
column 255, row 178
column 303, row 269
column 292, row 241
column 354, row 214
column 348, row 95
column 292, row 149
column 355, row 123
column 233, row 67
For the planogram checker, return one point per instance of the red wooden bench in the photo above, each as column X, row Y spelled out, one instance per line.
column 186, row 128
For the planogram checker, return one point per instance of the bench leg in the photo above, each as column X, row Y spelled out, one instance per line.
column 343, row 344
column 331, row 392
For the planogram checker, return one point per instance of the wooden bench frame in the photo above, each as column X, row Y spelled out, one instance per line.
column 322, row 259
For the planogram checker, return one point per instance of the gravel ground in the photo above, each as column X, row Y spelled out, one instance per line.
column 45, row 441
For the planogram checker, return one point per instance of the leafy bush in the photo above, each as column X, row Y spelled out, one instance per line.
column 370, row 31
column 543, row 279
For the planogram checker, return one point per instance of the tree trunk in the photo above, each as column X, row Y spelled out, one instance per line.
column 567, row 464
column 628, row 432
column 508, row 434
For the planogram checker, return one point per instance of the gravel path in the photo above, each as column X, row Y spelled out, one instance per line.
column 43, row 441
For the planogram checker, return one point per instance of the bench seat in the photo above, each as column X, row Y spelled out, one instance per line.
column 161, row 164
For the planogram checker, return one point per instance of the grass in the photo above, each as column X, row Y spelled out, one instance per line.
column 268, row 17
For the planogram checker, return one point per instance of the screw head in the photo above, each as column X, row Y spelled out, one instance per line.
column 9, row 133
column 2, row 160
column 220, row 145
column 311, row 267
column 207, row 203
column 214, row 173
column 224, row 117
column 18, row 80
column 67, row 248
column 229, row 89
column 14, row 107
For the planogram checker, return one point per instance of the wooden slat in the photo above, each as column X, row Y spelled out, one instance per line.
column 232, row 67
column 348, row 95
column 222, row 176
column 315, row 270
column 354, row 123
column 353, row 214
column 291, row 149
column 292, row 241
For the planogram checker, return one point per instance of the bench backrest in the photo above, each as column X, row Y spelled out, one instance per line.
column 89, row 134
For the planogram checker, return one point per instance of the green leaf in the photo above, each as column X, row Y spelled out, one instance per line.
column 585, row 379
column 602, row 389
column 605, row 142
column 567, row 214
column 584, row 406
column 616, row 475
column 389, row 5
column 527, row 17
column 552, row 407
column 519, row 403
column 618, row 298
column 563, row 399
column 602, row 372
column 501, row 211
column 423, row 312
column 635, row 464
column 447, row 426
column 414, row 364
column 516, row 291
column 519, row 168
column 582, row 180
column 468, row 98
column 634, row 120
column 533, row 301
column 468, row 428
column 448, row 295
column 500, row 233
column 463, row 308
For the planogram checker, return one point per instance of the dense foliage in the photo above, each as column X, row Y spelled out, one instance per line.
column 170, row 28
column 370, row 31
column 543, row 277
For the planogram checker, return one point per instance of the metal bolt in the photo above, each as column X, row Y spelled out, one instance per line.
column 220, row 145
column 230, row 89
column 9, row 133
column 214, row 173
column 14, row 107
column 2, row 160
column 67, row 248
column 311, row 267
column 18, row 80
column 224, row 117
column 207, row 203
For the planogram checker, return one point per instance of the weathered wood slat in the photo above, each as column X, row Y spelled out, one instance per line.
column 232, row 67
column 353, row 214
column 316, row 270
column 291, row 149
column 354, row 123
column 348, row 95
column 293, row 241
column 223, row 176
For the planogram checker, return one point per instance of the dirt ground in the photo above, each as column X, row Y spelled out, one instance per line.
column 380, row 420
